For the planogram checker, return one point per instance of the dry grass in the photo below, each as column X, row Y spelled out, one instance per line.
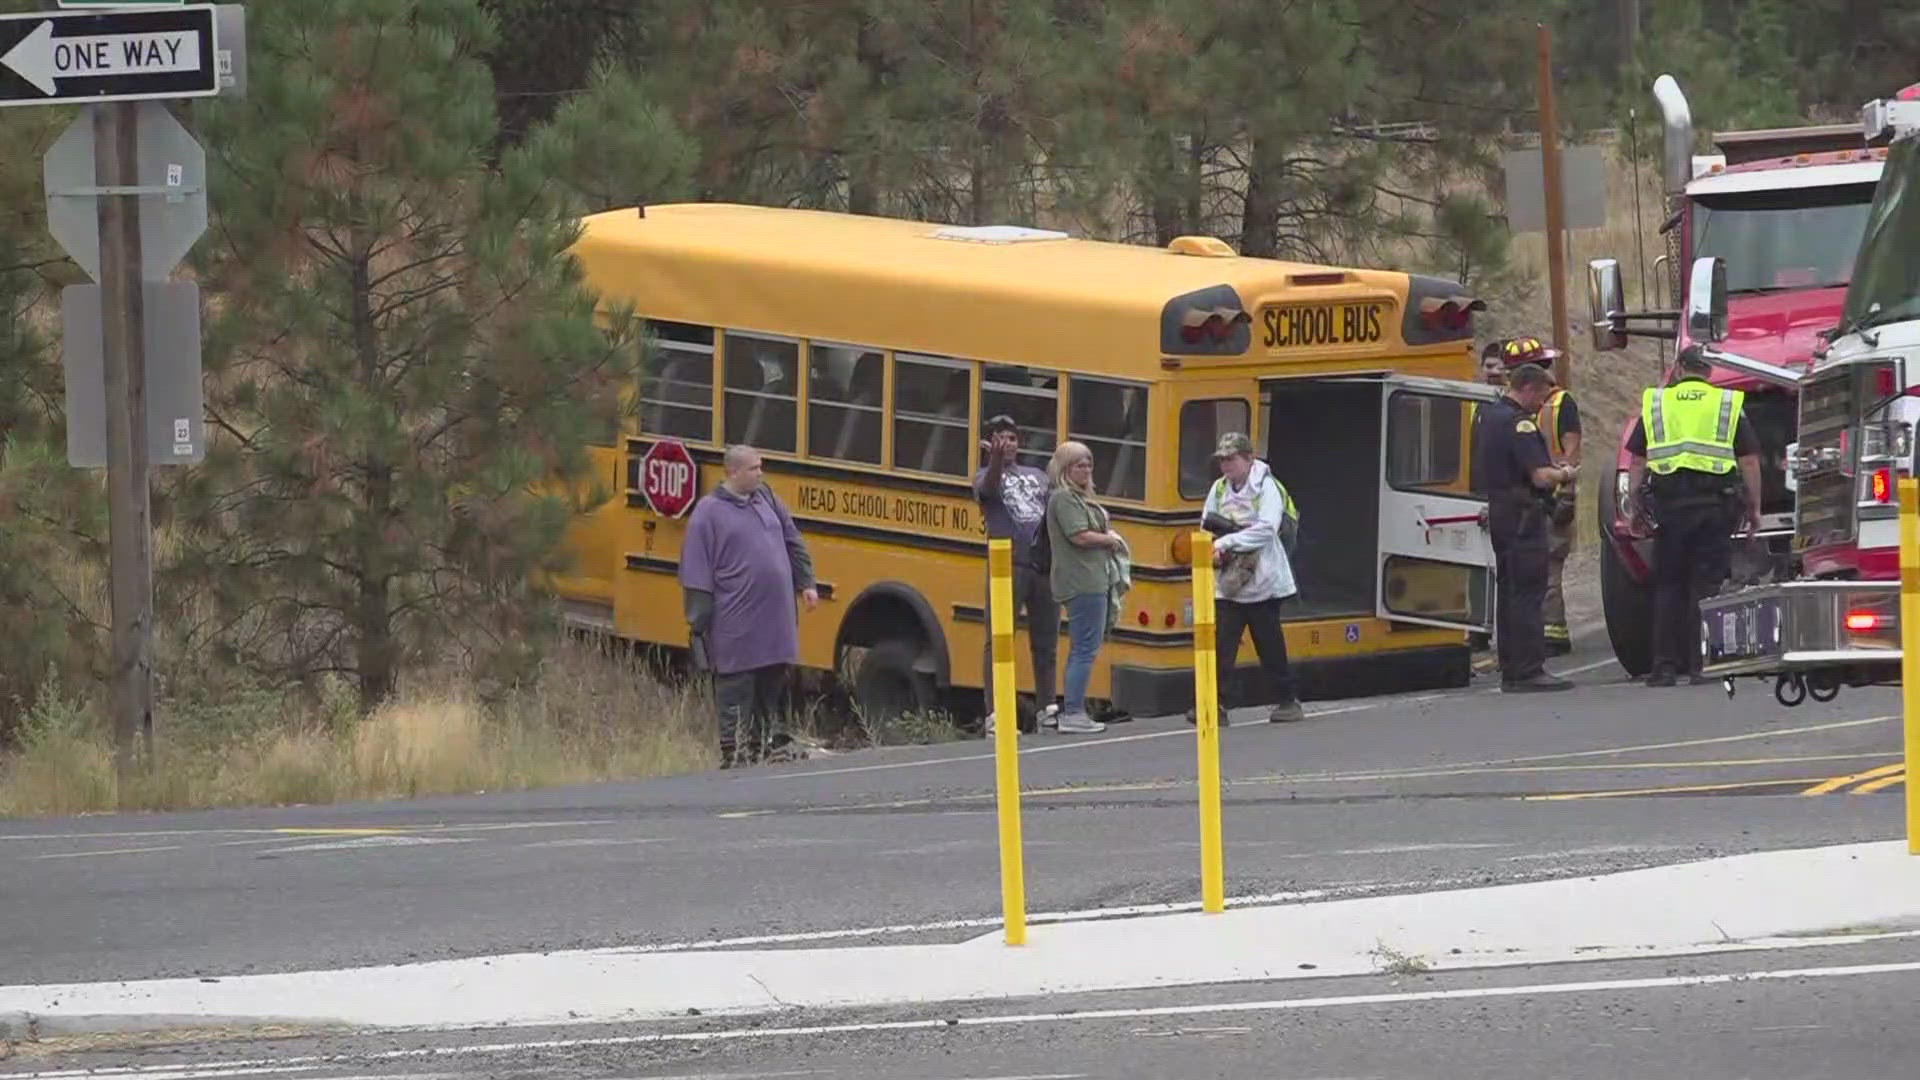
column 590, row 716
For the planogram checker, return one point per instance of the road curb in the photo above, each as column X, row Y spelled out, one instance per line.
column 1765, row 900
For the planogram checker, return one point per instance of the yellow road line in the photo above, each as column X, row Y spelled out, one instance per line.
column 1884, row 782
column 339, row 832
column 1347, row 778
column 1681, row 790
column 112, row 851
column 1836, row 783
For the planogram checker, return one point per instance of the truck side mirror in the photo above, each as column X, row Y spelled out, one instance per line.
column 1707, row 301
column 1606, row 302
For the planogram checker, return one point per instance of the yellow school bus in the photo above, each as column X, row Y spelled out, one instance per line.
column 862, row 355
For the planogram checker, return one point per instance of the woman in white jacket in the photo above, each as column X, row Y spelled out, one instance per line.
column 1255, row 574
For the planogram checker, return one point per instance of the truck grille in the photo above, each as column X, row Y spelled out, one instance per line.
column 1824, row 511
column 1772, row 415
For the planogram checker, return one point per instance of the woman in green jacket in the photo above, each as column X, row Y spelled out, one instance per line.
column 1081, row 536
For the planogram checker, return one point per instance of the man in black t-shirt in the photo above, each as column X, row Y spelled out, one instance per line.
column 1013, row 499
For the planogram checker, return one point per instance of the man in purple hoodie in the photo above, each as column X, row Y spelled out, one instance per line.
column 741, row 565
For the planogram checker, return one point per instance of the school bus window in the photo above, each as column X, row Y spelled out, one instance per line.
column 930, row 414
column 676, row 381
column 1201, row 425
column 1111, row 418
column 844, row 407
column 1426, row 442
column 1032, row 397
column 762, row 391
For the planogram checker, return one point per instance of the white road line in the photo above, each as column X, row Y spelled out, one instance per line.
column 1271, row 1005
column 110, row 851
column 1597, row 664
column 1078, row 744
column 1602, row 752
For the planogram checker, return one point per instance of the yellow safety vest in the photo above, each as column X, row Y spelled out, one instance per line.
column 1548, row 420
column 1689, row 425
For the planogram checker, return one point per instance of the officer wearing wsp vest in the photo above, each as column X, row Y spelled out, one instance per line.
column 1519, row 479
column 1690, row 436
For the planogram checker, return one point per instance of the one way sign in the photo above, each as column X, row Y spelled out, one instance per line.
column 108, row 56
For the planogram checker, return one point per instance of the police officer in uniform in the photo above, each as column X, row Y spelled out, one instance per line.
column 1519, row 477
column 1689, row 436
column 1559, row 423
column 1493, row 372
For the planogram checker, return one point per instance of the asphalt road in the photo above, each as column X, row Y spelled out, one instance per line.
column 1384, row 795
column 1839, row 1013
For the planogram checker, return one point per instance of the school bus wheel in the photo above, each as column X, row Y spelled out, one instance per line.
column 888, row 683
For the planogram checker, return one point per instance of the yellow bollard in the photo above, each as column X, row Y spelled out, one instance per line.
column 1006, row 740
column 1206, row 715
column 1910, row 648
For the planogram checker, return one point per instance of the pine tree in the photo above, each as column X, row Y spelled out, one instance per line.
column 399, row 354
column 52, row 521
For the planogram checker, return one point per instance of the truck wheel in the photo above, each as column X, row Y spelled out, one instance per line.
column 887, row 685
column 1627, row 604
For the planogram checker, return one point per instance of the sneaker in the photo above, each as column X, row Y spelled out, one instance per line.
column 1536, row 684
column 1661, row 678
column 1050, row 716
column 1285, row 712
column 1080, row 724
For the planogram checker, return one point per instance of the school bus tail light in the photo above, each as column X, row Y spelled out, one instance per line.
column 1213, row 326
column 1448, row 316
column 1205, row 322
column 1438, row 311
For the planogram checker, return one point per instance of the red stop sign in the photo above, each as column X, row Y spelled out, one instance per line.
column 668, row 478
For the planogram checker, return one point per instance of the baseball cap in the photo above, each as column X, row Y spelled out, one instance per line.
column 1233, row 442
column 1000, row 423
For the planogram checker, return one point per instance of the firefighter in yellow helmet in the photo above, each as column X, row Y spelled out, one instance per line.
column 1559, row 422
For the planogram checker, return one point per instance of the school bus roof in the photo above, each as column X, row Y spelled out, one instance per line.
column 900, row 284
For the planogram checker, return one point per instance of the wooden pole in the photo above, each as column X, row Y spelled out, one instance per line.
column 1556, row 211
column 116, row 132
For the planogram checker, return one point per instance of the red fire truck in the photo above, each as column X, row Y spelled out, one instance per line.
column 1836, row 622
column 1783, row 211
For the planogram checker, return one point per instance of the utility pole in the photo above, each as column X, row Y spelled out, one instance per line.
column 116, row 134
column 1629, row 37
column 1556, row 210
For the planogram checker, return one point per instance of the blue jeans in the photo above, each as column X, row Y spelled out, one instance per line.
column 1086, row 628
